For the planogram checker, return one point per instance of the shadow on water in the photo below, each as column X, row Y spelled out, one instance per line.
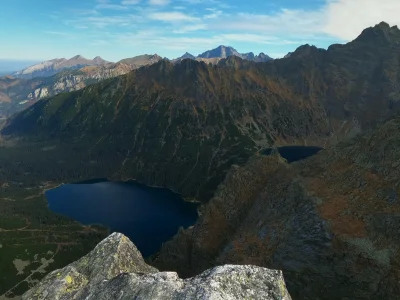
column 294, row 153
column 148, row 216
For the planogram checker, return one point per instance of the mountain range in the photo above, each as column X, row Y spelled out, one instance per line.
column 23, row 88
column 51, row 67
column 214, row 55
column 330, row 222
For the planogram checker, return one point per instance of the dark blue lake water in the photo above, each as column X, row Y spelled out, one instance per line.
column 295, row 153
column 148, row 216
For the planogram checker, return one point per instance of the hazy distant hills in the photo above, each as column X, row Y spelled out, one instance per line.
column 51, row 67
column 8, row 66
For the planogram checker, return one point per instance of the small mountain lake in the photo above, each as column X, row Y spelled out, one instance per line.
column 148, row 216
column 294, row 153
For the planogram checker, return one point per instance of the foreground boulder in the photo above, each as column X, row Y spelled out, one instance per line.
column 115, row 269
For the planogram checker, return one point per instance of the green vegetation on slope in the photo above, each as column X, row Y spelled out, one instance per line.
column 34, row 241
column 184, row 126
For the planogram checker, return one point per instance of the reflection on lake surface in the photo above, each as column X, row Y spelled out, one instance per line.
column 148, row 216
column 294, row 153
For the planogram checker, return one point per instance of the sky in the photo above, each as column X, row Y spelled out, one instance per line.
column 116, row 29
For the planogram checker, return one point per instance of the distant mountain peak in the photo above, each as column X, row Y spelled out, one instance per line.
column 187, row 55
column 382, row 25
column 221, row 51
column 381, row 32
column 53, row 66
column 78, row 57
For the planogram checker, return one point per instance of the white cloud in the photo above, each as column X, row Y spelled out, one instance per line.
column 214, row 13
column 195, row 25
column 345, row 19
column 103, row 21
column 285, row 21
column 189, row 28
column 111, row 6
column 60, row 33
column 130, row 2
column 339, row 19
column 256, row 39
column 174, row 16
column 159, row 2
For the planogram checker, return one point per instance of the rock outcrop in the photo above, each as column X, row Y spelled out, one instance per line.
column 21, row 93
column 115, row 270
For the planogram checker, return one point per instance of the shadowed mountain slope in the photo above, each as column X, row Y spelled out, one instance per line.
column 182, row 126
column 330, row 222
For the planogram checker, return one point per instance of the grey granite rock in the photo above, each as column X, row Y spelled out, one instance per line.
column 115, row 270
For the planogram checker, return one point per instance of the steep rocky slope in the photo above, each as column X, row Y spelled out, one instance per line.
column 183, row 126
column 330, row 222
column 115, row 270
column 18, row 94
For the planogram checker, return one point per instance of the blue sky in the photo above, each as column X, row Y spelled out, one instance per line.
column 116, row 29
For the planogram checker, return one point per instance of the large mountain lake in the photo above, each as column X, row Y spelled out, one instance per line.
column 294, row 153
column 148, row 216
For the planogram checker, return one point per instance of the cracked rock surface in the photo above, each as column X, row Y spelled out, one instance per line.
column 115, row 269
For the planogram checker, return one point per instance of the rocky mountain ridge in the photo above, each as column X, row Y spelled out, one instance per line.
column 51, row 67
column 17, row 94
column 141, row 60
column 221, row 114
column 330, row 222
column 215, row 55
column 115, row 269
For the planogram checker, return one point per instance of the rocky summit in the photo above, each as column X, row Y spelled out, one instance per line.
column 115, row 270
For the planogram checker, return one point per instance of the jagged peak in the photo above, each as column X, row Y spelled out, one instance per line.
column 304, row 50
column 233, row 61
column 381, row 31
column 98, row 58
column 187, row 55
column 77, row 57
column 382, row 25
column 222, row 49
column 155, row 55
column 115, row 267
